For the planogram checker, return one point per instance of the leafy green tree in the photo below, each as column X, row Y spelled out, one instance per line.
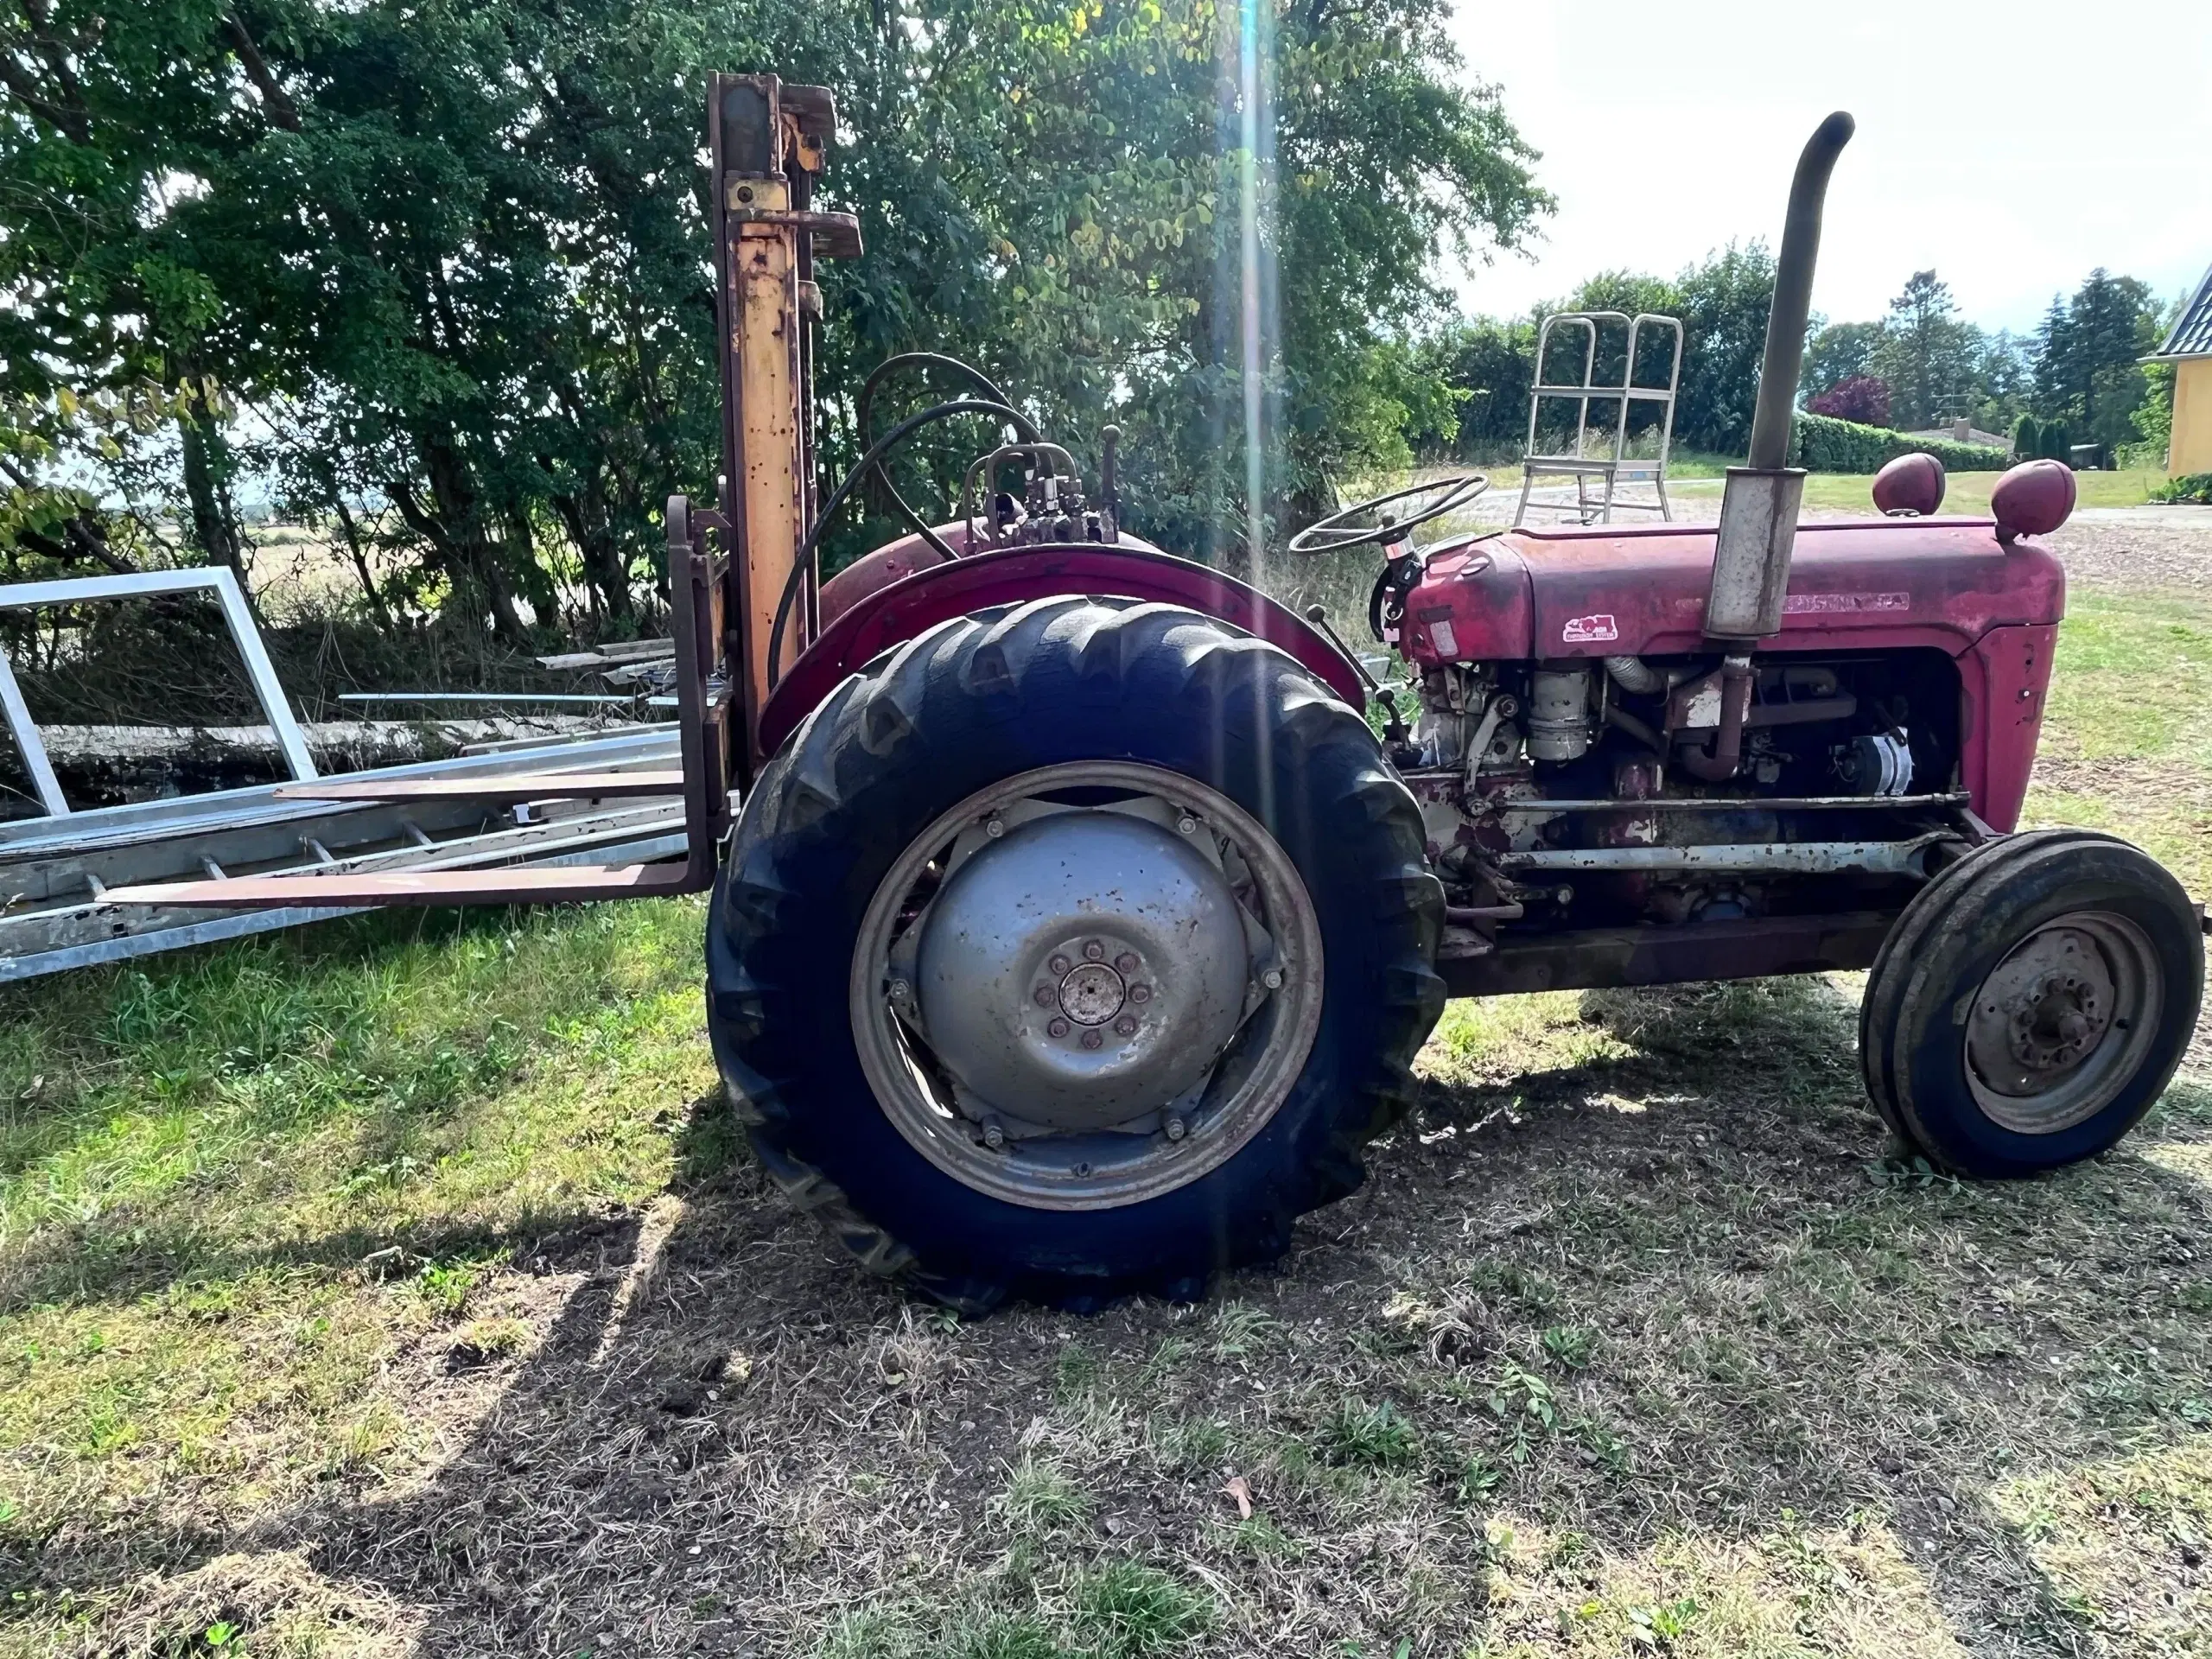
column 2027, row 438
column 1927, row 355
column 1485, row 366
column 1839, row 351
column 2003, row 379
column 454, row 257
column 2086, row 353
column 1723, row 305
column 1113, row 145
column 2153, row 419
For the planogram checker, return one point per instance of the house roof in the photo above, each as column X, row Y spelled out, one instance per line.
column 2192, row 335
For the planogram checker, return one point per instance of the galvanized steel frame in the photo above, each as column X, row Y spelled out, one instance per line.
column 1579, row 465
column 268, row 689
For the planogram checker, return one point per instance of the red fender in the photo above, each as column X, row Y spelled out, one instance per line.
column 1013, row 575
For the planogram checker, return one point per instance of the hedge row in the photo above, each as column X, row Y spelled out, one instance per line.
column 1822, row 444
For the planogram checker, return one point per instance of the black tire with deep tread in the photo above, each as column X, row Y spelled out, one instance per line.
column 1912, row 1044
column 981, row 698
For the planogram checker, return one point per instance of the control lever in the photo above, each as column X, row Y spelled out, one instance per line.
column 1394, row 727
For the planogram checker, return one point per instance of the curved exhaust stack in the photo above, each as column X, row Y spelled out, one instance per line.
column 1758, row 509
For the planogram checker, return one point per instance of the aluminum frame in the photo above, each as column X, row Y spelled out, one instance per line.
column 1580, row 466
column 78, row 590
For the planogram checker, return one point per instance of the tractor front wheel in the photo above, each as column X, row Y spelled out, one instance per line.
column 2032, row 1002
column 1073, row 950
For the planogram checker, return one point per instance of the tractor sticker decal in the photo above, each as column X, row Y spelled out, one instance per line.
column 1589, row 630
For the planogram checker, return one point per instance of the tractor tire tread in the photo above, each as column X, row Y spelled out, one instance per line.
column 1082, row 651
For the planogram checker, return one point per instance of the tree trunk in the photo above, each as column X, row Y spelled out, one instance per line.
column 583, row 514
column 464, row 550
column 206, row 485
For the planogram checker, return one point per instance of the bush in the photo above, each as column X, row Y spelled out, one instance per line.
column 1862, row 399
column 1823, row 445
column 2027, row 438
column 2058, row 443
column 2193, row 488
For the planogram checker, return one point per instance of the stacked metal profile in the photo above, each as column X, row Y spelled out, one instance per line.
column 474, row 811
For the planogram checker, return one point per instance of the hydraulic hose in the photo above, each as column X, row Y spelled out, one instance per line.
column 795, row 582
column 975, row 377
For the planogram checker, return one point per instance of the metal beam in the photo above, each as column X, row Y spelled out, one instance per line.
column 1798, row 857
column 1593, row 958
column 435, row 887
column 1530, row 805
column 216, row 580
column 521, row 786
column 29, row 744
column 161, row 934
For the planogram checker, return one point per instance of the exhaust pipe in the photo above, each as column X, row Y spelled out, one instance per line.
column 1759, row 504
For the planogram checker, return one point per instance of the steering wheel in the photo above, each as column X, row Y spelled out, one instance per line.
column 1424, row 502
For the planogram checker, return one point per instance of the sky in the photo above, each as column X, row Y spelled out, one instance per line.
column 2013, row 147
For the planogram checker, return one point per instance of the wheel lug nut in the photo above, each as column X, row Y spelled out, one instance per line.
column 1175, row 1126
column 1043, row 995
column 1272, row 979
column 1058, row 1028
column 1139, row 992
column 1126, row 1026
column 994, row 829
column 994, row 1136
column 1126, row 963
column 1091, row 1039
column 1059, row 964
column 1093, row 952
column 1187, row 825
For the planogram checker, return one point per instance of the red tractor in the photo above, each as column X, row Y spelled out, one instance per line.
column 1078, row 931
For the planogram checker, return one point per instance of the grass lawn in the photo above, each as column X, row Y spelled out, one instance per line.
column 396, row 1287
column 1964, row 492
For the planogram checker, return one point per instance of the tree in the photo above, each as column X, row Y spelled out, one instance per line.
column 1723, row 305
column 1926, row 355
column 1485, row 366
column 1722, row 301
column 1839, row 351
column 2027, row 438
column 2003, row 376
column 2085, row 353
column 457, row 256
column 1862, row 399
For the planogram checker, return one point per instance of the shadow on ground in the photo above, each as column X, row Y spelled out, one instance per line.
column 1649, row 1344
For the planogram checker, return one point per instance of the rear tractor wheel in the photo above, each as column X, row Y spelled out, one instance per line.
column 1071, row 950
column 2032, row 1002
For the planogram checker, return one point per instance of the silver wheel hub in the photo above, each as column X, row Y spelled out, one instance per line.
column 1087, row 985
column 1029, row 983
column 2061, row 1024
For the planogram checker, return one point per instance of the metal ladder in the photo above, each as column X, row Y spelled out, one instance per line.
column 1579, row 464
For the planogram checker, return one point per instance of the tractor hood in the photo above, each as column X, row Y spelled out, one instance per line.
column 1536, row 594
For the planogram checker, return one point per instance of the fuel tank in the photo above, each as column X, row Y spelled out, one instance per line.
column 1603, row 591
